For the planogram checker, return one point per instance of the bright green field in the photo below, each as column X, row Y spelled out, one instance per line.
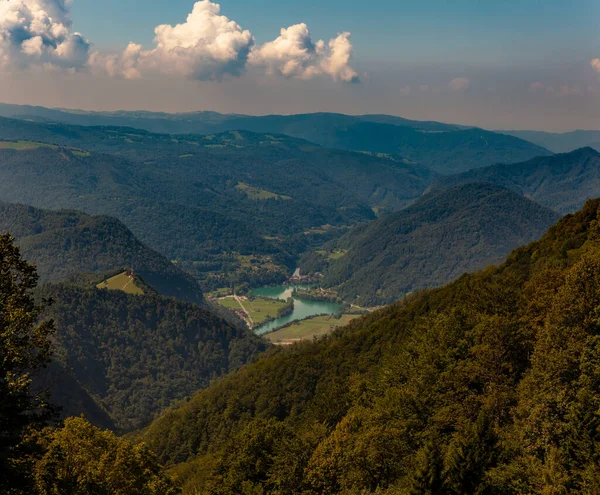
column 23, row 145
column 259, row 309
column 121, row 282
column 260, row 194
column 33, row 145
column 307, row 329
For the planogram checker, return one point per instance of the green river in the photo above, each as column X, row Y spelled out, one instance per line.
column 302, row 309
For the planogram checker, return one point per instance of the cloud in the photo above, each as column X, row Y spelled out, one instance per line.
column 208, row 46
column 459, row 84
column 294, row 55
column 596, row 64
column 39, row 33
column 405, row 90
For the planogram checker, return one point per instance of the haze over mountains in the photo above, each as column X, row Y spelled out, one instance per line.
column 562, row 182
column 445, row 148
column 560, row 142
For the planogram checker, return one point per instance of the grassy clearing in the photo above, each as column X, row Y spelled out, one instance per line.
column 81, row 153
column 34, row 145
column 260, row 194
column 220, row 292
column 121, row 282
column 260, row 309
column 309, row 328
column 24, row 145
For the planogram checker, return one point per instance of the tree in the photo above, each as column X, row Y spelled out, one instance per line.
column 24, row 349
column 80, row 459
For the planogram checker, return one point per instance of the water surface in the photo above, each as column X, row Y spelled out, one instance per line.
column 302, row 308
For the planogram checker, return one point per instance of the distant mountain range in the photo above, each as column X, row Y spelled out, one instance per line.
column 562, row 182
column 445, row 148
column 63, row 244
column 560, row 142
column 440, row 237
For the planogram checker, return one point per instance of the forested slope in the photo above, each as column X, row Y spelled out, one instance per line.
column 437, row 239
column 487, row 385
column 135, row 355
column 67, row 243
column 562, row 182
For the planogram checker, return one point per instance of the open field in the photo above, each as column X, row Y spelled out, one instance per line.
column 309, row 328
column 121, row 282
column 259, row 309
column 23, row 145
column 260, row 194
column 33, row 145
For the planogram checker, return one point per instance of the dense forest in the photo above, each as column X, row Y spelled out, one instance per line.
column 487, row 385
column 561, row 182
column 443, row 235
column 206, row 201
column 134, row 355
column 63, row 244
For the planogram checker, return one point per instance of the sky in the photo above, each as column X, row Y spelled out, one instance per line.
column 515, row 64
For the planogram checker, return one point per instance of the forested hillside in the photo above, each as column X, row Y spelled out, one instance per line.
column 487, row 385
column 434, row 241
column 131, row 356
column 561, row 182
column 207, row 202
column 446, row 148
column 65, row 243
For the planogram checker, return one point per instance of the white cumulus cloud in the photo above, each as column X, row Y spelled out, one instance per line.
column 208, row 46
column 596, row 64
column 294, row 55
column 459, row 84
column 39, row 32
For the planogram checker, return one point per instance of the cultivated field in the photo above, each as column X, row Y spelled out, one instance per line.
column 309, row 328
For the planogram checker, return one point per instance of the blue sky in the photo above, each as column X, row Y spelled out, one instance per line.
column 497, row 64
column 432, row 30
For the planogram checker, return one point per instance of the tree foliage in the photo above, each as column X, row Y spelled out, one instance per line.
column 488, row 385
column 24, row 350
column 81, row 459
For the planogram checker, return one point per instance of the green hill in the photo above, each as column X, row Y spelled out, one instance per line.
column 434, row 241
column 121, row 359
column 65, row 243
column 561, row 182
column 487, row 385
column 446, row 148
column 180, row 195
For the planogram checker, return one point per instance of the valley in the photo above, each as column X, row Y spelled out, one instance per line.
column 334, row 300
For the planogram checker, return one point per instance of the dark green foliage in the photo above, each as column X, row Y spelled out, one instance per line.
column 487, row 385
column 24, row 350
column 135, row 355
column 440, row 237
column 561, row 182
column 67, row 243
